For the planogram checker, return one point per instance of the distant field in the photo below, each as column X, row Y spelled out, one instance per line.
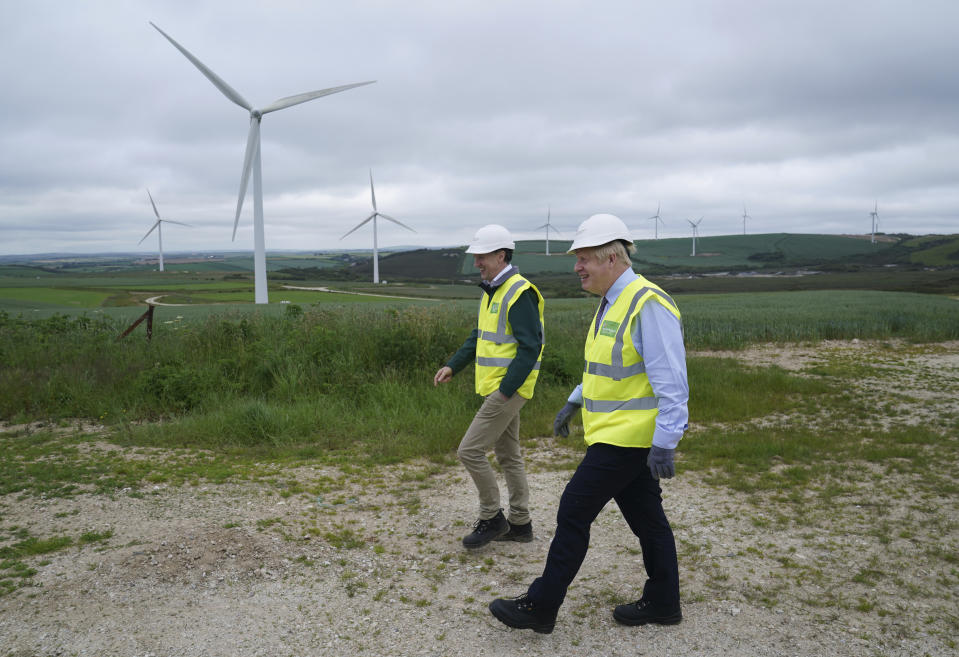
column 731, row 251
column 921, row 264
column 735, row 250
column 935, row 250
column 49, row 296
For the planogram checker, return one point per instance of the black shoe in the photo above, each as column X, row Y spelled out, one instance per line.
column 523, row 614
column 642, row 612
column 518, row 533
column 485, row 531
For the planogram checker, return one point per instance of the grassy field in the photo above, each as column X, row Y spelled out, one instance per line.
column 727, row 251
column 208, row 366
column 750, row 263
column 838, row 473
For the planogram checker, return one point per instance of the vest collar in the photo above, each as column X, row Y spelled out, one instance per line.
column 490, row 287
column 619, row 285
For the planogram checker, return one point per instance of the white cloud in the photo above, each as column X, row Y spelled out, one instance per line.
column 807, row 112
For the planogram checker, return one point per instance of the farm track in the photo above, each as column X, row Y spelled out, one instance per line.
column 361, row 294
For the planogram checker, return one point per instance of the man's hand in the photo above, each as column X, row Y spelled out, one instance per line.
column 443, row 375
column 561, row 423
column 660, row 462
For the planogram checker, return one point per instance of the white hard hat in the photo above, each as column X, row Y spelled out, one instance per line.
column 600, row 229
column 489, row 238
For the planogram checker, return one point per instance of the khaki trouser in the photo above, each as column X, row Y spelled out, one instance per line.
column 496, row 427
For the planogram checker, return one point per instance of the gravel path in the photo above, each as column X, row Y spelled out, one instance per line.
column 374, row 566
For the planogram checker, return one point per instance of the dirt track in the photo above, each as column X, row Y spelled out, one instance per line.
column 375, row 567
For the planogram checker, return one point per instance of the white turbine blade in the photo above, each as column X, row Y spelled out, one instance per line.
column 178, row 223
column 543, row 226
column 154, row 205
column 359, row 225
column 289, row 101
column 149, row 231
column 372, row 193
column 386, row 216
column 217, row 81
column 252, row 143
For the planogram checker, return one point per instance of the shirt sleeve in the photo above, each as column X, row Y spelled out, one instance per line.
column 659, row 340
column 576, row 397
column 524, row 323
column 465, row 354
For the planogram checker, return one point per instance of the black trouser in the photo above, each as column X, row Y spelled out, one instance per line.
column 619, row 473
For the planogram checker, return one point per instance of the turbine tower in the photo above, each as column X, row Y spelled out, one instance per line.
column 656, row 221
column 159, row 228
column 251, row 161
column 547, row 226
column 372, row 217
column 745, row 217
column 874, row 215
column 695, row 225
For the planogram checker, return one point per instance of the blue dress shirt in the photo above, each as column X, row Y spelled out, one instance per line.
column 658, row 337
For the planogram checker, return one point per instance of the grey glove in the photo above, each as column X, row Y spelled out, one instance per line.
column 660, row 462
column 561, row 423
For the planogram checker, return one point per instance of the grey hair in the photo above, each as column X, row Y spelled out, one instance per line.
column 620, row 248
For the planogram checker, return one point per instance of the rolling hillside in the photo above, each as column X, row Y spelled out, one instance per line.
column 739, row 252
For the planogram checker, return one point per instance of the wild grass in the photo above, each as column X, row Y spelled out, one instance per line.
column 817, row 465
column 330, row 374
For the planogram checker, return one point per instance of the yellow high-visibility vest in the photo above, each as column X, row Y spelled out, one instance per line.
column 495, row 344
column 619, row 407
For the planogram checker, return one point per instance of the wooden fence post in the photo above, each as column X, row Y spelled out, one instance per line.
column 148, row 315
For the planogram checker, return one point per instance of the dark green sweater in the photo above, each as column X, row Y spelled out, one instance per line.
column 523, row 319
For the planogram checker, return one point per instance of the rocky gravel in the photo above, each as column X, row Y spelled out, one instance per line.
column 373, row 565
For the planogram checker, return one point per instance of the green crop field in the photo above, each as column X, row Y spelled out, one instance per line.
column 935, row 250
column 52, row 296
column 921, row 264
column 732, row 251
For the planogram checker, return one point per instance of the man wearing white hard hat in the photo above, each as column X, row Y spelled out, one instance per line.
column 507, row 346
column 633, row 398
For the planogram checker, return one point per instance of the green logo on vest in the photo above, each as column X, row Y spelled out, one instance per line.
column 609, row 328
column 494, row 307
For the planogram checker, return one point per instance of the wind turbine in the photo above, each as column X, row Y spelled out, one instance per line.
column 376, row 213
column 695, row 225
column 874, row 215
column 251, row 161
column 547, row 226
column 657, row 220
column 158, row 227
column 745, row 217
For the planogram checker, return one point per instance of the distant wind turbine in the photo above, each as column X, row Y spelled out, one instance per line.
column 251, row 161
column 695, row 225
column 159, row 228
column 547, row 226
column 376, row 213
column 745, row 217
column 656, row 221
column 874, row 215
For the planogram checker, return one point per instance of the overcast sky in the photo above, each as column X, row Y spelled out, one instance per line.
column 807, row 112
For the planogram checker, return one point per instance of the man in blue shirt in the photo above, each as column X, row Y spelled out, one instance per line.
column 634, row 403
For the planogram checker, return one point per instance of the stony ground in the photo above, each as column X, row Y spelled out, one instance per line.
column 373, row 566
